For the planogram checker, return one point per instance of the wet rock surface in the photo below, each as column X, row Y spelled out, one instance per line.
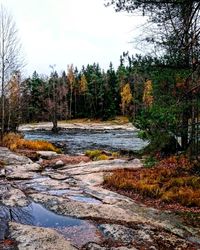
column 67, row 196
column 29, row 238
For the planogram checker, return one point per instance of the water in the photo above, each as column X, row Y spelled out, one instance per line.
column 79, row 140
column 78, row 231
column 37, row 215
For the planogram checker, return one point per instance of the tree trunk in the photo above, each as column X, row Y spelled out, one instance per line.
column 3, row 101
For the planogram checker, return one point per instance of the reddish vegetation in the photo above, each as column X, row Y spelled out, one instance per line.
column 66, row 160
column 171, row 182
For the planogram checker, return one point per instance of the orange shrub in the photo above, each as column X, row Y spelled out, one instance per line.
column 15, row 141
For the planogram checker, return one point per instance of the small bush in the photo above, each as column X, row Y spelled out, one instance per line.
column 98, row 155
column 150, row 162
column 93, row 153
column 15, row 141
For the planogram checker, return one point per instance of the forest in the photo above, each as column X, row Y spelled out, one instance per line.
column 157, row 91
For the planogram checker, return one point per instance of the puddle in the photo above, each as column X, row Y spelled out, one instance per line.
column 78, row 231
column 37, row 215
column 45, row 218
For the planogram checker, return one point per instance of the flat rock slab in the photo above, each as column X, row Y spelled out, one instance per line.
column 100, row 166
column 119, row 216
column 15, row 197
column 85, row 210
column 47, row 154
column 23, row 171
column 32, row 238
column 11, row 158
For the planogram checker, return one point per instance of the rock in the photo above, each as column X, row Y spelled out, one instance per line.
column 31, row 167
column 2, row 172
column 32, row 154
column 20, row 175
column 3, row 229
column 57, row 176
column 20, row 172
column 15, row 197
column 11, row 158
column 86, row 210
column 47, row 154
column 59, row 163
column 95, row 246
column 40, row 161
column 99, row 166
column 136, row 161
column 90, row 126
column 123, row 248
column 30, row 237
column 118, row 233
column 109, row 200
column 62, row 160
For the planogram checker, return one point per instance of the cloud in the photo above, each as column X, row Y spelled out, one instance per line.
column 71, row 31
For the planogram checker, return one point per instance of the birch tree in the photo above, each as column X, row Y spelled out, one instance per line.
column 10, row 56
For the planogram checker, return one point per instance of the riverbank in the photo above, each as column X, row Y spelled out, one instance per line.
column 85, row 124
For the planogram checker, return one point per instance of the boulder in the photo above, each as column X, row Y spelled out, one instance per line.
column 47, row 154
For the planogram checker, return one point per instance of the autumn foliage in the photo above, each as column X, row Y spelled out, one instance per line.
column 126, row 97
column 15, row 141
column 148, row 94
column 171, row 180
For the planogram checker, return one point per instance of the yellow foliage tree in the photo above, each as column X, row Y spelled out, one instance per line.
column 83, row 84
column 148, row 93
column 126, row 97
column 13, row 96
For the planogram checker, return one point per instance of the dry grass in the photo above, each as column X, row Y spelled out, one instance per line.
column 118, row 120
column 15, row 141
column 170, row 181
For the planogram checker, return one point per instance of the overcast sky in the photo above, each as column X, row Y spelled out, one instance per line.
column 62, row 32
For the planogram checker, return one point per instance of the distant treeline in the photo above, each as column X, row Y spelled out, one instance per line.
column 90, row 93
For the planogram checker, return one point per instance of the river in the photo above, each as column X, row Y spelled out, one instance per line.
column 76, row 141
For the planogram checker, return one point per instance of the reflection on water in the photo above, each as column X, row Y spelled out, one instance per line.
column 78, row 231
column 35, row 214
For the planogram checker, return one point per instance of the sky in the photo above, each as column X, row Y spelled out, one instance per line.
column 78, row 32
